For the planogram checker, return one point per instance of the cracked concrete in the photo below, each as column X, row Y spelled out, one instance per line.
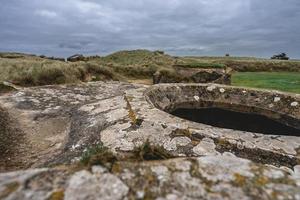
column 58, row 124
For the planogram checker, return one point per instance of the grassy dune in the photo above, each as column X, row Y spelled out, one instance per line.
column 140, row 65
column 34, row 72
column 30, row 70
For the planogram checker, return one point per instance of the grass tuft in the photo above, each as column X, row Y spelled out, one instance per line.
column 57, row 195
column 98, row 155
column 147, row 151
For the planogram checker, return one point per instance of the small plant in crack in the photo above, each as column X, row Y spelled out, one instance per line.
column 98, row 155
column 101, row 155
column 147, row 151
column 135, row 121
column 57, row 195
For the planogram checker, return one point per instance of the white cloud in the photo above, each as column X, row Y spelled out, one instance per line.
column 86, row 6
column 46, row 13
column 183, row 26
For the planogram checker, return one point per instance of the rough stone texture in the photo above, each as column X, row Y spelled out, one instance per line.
column 34, row 184
column 54, row 125
column 104, row 186
column 194, row 75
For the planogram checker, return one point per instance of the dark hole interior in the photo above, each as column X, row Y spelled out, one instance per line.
column 223, row 118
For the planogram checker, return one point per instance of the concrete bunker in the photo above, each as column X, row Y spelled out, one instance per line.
column 228, row 107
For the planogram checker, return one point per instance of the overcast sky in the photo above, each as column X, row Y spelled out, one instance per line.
column 179, row 27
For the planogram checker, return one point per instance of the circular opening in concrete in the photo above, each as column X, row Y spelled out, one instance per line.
column 224, row 118
column 229, row 107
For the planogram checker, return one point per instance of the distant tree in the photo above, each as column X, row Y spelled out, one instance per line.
column 227, row 54
column 282, row 56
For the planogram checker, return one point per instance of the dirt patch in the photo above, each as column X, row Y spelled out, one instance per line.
column 29, row 143
column 11, row 137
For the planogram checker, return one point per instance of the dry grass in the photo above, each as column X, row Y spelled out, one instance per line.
column 30, row 70
column 33, row 72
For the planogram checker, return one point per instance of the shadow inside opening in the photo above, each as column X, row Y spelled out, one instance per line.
column 249, row 122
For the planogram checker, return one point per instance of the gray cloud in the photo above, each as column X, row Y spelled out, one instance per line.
column 181, row 27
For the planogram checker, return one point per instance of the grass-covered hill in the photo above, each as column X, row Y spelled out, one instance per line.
column 139, row 58
column 30, row 70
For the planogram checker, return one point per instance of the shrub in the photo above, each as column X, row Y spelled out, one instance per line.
column 95, row 69
column 48, row 76
column 81, row 73
column 23, row 78
column 136, row 71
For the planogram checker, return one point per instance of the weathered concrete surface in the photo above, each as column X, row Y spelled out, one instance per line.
column 209, row 177
column 54, row 125
column 194, row 75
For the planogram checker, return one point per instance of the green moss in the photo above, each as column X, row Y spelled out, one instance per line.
column 195, row 172
column 260, row 181
column 100, row 155
column 239, row 180
column 196, row 138
column 181, row 132
column 116, row 168
column 57, row 195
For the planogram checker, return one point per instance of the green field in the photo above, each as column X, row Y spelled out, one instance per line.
column 284, row 81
